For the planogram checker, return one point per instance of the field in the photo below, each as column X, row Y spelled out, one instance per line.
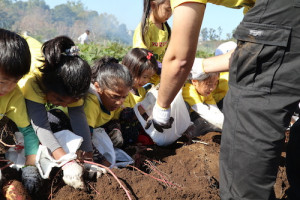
column 178, row 171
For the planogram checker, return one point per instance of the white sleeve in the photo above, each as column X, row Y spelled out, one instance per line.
column 210, row 113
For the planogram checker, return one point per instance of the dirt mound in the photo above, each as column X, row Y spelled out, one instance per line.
column 175, row 172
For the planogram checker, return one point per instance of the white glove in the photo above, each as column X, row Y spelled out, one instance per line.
column 94, row 170
column 31, row 179
column 161, row 115
column 197, row 70
column 161, row 118
column 116, row 137
column 210, row 113
column 73, row 175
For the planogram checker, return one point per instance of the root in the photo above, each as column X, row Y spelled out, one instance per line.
column 164, row 181
column 117, row 179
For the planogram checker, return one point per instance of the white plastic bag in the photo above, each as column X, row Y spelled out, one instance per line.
column 69, row 142
column 178, row 111
column 17, row 156
column 103, row 144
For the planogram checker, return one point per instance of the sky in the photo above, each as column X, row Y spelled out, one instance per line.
column 129, row 12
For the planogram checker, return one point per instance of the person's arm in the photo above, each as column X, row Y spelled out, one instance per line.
column 38, row 115
column 31, row 141
column 80, row 127
column 72, row 171
column 210, row 113
column 181, row 51
column 217, row 63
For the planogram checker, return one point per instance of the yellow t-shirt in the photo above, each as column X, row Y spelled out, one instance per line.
column 222, row 88
column 35, row 48
column 156, row 41
column 13, row 106
column 192, row 97
column 132, row 99
column 32, row 92
column 246, row 4
column 96, row 117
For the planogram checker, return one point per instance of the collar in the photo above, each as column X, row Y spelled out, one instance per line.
column 104, row 109
column 92, row 90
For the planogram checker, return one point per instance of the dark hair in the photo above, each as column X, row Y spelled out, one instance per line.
column 15, row 57
column 110, row 74
column 137, row 60
column 146, row 13
column 63, row 74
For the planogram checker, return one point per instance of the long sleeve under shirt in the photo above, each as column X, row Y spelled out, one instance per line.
column 39, row 119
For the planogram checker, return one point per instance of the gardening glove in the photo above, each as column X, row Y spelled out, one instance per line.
column 31, row 179
column 197, row 70
column 72, row 175
column 116, row 137
column 94, row 170
column 160, row 118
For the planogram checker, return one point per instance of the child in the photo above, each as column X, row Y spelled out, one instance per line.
column 198, row 95
column 222, row 87
column 63, row 80
column 142, row 66
column 111, row 83
column 153, row 33
column 14, row 64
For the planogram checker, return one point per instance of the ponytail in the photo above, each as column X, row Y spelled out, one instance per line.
column 146, row 13
column 138, row 60
column 169, row 30
column 53, row 51
column 63, row 71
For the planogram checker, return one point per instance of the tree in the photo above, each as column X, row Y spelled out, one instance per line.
column 228, row 36
column 64, row 14
column 204, row 34
column 37, row 3
column 70, row 18
column 37, row 23
column 212, row 34
column 220, row 32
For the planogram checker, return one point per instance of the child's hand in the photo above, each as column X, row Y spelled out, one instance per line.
column 31, row 179
column 94, row 170
column 73, row 175
column 116, row 137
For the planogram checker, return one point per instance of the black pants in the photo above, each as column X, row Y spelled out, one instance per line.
column 264, row 91
column 293, row 162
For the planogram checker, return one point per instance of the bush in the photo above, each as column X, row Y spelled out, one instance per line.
column 91, row 52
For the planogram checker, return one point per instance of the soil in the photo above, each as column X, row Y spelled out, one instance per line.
column 178, row 171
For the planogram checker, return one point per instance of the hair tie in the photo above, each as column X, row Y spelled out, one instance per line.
column 73, row 51
column 149, row 55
